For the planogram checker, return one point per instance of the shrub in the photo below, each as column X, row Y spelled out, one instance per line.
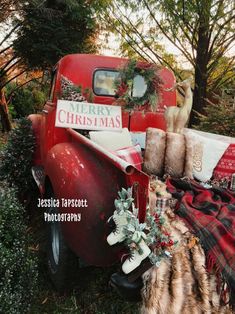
column 16, row 157
column 218, row 118
column 26, row 99
column 18, row 268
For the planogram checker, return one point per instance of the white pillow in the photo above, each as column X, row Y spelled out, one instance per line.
column 139, row 138
column 222, row 138
column 206, row 154
column 111, row 140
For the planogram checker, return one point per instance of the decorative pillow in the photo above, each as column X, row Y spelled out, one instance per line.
column 188, row 167
column 206, row 154
column 226, row 165
column 131, row 154
column 154, row 151
column 175, row 154
column 111, row 140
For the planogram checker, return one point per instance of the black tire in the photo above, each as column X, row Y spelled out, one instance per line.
column 62, row 263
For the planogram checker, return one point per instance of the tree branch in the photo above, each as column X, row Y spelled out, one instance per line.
column 221, row 27
column 11, row 79
column 187, row 56
column 9, row 34
column 5, row 49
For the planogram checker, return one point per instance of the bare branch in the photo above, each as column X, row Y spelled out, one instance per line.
column 5, row 49
column 5, row 70
column 12, row 78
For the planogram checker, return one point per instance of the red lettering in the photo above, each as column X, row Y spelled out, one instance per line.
column 59, row 115
column 118, row 122
column 88, row 121
column 70, row 117
column 111, row 123
column 104, row 122
column 78, row 120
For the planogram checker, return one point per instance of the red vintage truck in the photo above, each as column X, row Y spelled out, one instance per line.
column 69, row 166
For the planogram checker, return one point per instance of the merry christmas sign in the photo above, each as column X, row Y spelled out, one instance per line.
column 88, row 116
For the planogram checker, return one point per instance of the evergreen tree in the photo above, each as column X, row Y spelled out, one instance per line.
column 53, row 28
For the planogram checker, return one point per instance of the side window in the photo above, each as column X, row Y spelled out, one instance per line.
column 53, row 80
column 103, row 82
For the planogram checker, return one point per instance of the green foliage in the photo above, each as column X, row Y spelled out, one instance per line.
column 18, row 268
column 52, row 29
column 202, row 33
column 124, row 84
column 17, row 157
column 26, row 100
column 218, row 118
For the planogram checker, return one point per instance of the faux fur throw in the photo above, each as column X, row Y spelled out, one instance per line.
column 175, row 155
column 154, row 151
column 181, row 285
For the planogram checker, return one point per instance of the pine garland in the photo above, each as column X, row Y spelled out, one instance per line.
column 124, row 85
column 73, row 92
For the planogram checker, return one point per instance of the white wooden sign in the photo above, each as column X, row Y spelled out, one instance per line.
column 88, row 116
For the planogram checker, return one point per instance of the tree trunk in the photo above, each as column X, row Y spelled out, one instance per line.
column 5, row 120
column 201, row 64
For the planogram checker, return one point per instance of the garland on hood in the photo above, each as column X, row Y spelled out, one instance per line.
column 124, row 85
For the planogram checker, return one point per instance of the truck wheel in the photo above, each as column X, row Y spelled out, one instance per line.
column 61, row 261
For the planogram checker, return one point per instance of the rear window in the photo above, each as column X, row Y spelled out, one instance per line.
column 103, row 83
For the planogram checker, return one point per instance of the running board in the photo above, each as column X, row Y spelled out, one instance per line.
column 39, row 177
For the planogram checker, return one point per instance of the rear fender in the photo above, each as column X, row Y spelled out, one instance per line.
column 76, row 172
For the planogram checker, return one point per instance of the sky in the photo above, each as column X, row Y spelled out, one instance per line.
column 111, row 48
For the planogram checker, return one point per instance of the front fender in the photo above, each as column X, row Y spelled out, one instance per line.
column 76, row 172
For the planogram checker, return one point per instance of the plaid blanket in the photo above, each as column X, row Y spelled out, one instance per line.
column 210, row 215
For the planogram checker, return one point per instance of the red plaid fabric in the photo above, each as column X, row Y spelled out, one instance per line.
column 210, row 214
column 226, row 166
column 131, row 155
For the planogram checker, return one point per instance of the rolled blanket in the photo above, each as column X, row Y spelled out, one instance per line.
column 154, row 151
column 175, row 155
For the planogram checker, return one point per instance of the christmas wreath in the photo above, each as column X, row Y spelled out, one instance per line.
column 124, row 85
